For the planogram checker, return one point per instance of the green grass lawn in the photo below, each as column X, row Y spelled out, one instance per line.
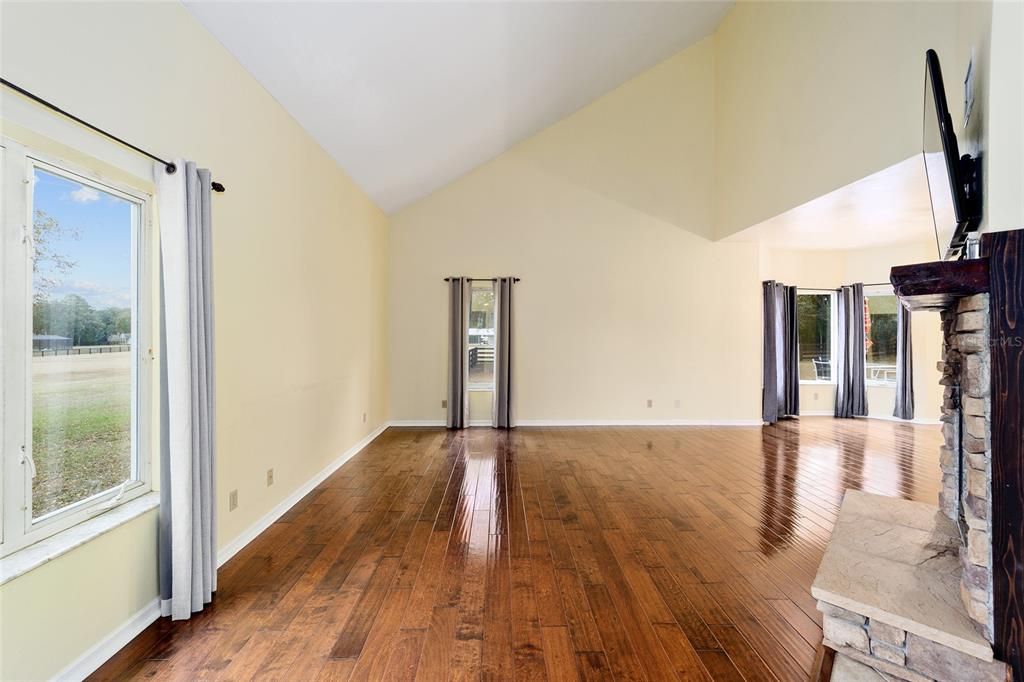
column 81, row 427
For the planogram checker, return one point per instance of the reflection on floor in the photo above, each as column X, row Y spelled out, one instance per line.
column 633, row 553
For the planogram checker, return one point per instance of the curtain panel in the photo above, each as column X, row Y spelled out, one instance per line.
column 781, row 347
column 458, row 357
column 501, row 413
column 851, row 392
column 187, row 535
column 904, row 366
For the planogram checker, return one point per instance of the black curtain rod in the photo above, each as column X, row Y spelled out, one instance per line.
column 481, row 279
column 873, row 284
column 168, row 166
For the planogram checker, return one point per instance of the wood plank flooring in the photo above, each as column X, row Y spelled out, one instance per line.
column 546, row 553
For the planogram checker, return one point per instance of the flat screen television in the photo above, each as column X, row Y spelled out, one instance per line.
column 953, row 180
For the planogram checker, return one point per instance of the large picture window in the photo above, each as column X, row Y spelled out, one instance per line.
column 481, row 335
column 75, row 323
column 880, row 312
column 816, row 326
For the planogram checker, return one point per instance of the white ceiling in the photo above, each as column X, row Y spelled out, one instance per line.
column 409, row 96
column 891, row 206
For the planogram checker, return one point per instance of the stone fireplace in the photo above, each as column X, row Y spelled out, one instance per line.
column 925, row 592
column 966, row 455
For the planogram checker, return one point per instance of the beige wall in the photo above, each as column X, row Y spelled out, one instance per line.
column 1004, row 143
column 299, row 277
column 53, row 614
column 811, row 96
column 622, row 298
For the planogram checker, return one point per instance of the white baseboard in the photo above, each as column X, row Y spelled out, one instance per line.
column 593, row 422
column 100, row 653
column 638, row 422
column 249, row 534
column 417, row 422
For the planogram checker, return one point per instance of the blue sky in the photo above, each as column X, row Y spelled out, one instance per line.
column 97, row 237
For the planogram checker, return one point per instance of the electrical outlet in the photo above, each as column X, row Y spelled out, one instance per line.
column 679, row 403
column 815, row 396
column 270, row 477
column 444, row 404
column 650, row 403
column 364, row 417
column 232, row 500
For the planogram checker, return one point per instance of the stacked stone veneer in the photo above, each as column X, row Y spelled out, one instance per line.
column 967, row 363
column 897, row 654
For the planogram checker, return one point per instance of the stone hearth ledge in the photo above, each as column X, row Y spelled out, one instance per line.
column 897, row 561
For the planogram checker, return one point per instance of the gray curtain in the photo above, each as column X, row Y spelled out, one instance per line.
column 187, row 552
column 780, row 395
column 501, row 414
column 458, row 357
column 904, row 366
column 851, row 394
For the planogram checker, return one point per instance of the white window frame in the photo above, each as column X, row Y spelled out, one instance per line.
column 479, row 386
column 868, row 293
column 18, row 528
column 833, row 325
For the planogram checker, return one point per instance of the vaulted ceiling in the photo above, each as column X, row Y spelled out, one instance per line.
column 891, row 206
column 406, row 97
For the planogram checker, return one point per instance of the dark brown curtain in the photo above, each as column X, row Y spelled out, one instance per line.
column 780, row 395
column 458, row 357
column 501, row 414
column 851, row 392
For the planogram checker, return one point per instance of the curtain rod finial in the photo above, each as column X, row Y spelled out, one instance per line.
column 170, row 168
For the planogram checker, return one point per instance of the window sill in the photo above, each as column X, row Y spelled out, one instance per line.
column 808, row 382
column 480, row 389
column 883, row 384
column 24, row 560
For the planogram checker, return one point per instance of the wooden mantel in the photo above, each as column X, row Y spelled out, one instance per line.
column 1000, row 274
column 935, row 286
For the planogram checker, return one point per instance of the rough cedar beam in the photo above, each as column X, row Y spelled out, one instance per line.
column 1005, row 254
column 934, row 286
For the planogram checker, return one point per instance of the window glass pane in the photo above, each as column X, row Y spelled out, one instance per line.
column 814, row 319
column 880, row 338
column 82, row 359
column 481, row 334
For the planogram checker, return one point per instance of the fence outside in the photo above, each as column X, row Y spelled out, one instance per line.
column 81, row 350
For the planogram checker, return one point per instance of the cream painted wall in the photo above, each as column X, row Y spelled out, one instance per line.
column 53, row 614
column 831, row 269
column 481, row 407
column 300, row 261
column 1004, row 144
column 811, row 96
column 622, row 298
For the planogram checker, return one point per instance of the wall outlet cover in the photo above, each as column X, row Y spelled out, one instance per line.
column 444, row 404
column 270, row 477
column 232, row 500
column 650, row 403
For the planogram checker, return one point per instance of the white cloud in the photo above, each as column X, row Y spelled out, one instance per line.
column 84, row 195
column 98, row 295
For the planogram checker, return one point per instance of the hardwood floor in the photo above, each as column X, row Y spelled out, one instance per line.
column 560, row 553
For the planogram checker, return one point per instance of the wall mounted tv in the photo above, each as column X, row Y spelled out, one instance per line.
column 954, row 181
